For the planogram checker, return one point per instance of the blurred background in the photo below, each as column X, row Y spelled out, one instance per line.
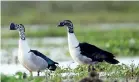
column 80, row 12
column 110, row 25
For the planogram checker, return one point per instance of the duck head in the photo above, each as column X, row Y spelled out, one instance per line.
column 19, row 27
column 68, row 24
column 65, row 23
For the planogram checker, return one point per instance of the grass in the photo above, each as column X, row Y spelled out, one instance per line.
column 111, row 73
column 33, row 17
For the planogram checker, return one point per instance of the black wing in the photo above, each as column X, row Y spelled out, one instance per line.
column 37, row 53
column 96, row 54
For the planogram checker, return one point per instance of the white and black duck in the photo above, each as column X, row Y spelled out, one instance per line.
column 32, row 60
column 85, row 53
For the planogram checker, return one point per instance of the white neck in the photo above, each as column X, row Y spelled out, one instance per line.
column 72, row 40
column 23, row 45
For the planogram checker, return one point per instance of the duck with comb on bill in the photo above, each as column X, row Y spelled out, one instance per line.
column 85, row 53
column 32, row 60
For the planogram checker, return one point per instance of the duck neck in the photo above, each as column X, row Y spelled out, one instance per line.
column 72, row 40
column 70, row 29
column 22, row 35
column 23, row 45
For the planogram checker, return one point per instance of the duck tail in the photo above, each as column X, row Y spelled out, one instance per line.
column 111, row 60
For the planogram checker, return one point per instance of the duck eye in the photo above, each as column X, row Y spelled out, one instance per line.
column 62, row 24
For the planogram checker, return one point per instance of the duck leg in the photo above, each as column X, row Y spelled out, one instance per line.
column 91, row 68
column 24, row 75
column 31, row 75
column 38, row 73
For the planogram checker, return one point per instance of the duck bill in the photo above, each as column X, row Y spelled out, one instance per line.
column 61, row 24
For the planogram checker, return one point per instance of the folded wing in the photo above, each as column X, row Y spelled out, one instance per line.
column 97, row 54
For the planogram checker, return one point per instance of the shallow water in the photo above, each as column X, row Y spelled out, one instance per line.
column 52, row 47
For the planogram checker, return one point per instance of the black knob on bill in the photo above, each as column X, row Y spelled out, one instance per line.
column 12, row 26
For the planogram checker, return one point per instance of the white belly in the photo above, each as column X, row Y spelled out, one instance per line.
column 24, row 59
column 75, row 52
column 24, row 56
column 77, row 57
